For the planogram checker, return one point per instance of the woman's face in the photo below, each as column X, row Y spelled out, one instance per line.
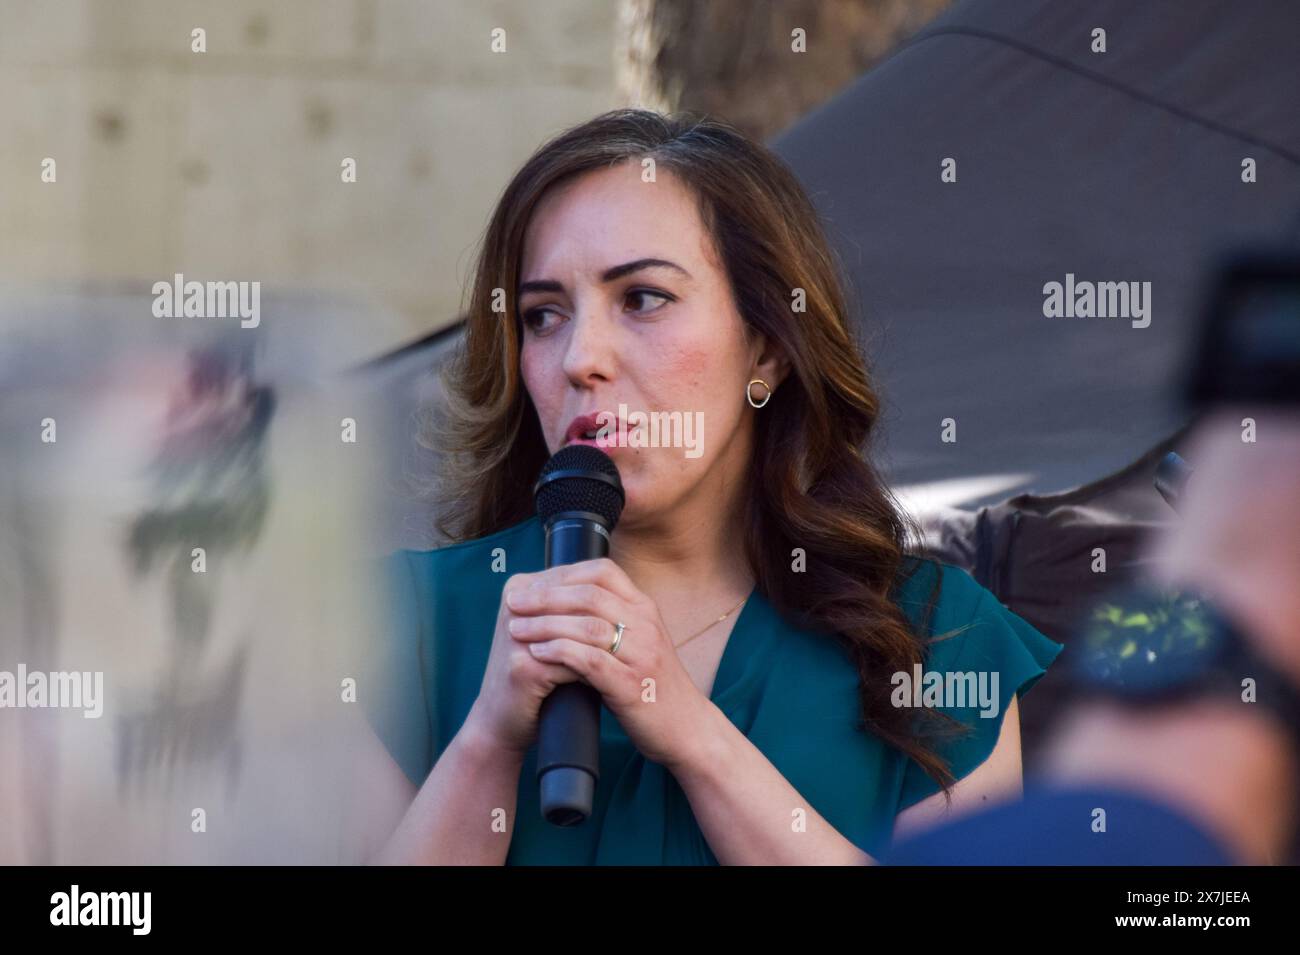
column 625, row 311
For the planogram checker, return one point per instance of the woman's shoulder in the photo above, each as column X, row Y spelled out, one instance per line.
column 514, row 549
column 962, row 621
column 428, row 588
column 931, row 591
column 979, row 654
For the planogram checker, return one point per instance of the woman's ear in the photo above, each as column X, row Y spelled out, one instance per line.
column 771, row 365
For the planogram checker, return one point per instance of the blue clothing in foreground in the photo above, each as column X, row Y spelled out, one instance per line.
column 1059, row 826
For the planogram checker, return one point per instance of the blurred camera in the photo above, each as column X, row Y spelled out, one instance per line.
column 1249, row 346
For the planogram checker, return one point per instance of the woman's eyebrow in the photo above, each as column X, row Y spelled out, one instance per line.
column 610, row 274
column 618, row 271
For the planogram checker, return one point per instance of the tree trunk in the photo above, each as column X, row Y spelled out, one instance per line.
column 736, row 59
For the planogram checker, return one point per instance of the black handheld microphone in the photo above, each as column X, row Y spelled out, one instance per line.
column 579, row 498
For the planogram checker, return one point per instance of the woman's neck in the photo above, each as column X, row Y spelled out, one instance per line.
column 688, row 564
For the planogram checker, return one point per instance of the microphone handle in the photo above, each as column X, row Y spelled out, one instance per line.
column 568, row 735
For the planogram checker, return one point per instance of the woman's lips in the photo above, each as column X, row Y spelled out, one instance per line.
column 611, row 432
column 613, row 440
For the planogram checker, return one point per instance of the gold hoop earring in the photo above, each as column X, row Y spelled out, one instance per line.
column 749, row 395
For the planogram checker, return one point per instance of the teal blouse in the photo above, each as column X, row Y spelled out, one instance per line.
column 792, row 692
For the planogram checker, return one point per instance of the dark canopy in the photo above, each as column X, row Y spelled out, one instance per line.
column 1116, row 166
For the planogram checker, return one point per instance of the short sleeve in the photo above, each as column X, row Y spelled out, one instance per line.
column 393, row 692
column 973, row 675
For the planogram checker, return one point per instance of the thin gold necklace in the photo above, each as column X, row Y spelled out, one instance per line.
column 713, row 623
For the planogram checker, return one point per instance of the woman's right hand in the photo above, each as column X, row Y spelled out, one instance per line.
column 514, row 684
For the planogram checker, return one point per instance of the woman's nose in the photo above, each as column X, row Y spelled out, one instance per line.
column 589, row 355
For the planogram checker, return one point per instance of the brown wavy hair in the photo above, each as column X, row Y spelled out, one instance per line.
column 814, row 484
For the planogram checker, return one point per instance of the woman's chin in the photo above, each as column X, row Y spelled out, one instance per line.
column 634, row 511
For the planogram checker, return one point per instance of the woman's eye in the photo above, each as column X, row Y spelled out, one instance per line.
column 644, row 293
column 534, row 320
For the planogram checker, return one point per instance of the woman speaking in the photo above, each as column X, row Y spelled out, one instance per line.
column 757, row 635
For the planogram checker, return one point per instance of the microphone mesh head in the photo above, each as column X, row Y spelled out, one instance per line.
column 557, row 493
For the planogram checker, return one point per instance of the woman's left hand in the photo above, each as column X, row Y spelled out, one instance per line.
column 567, row 616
